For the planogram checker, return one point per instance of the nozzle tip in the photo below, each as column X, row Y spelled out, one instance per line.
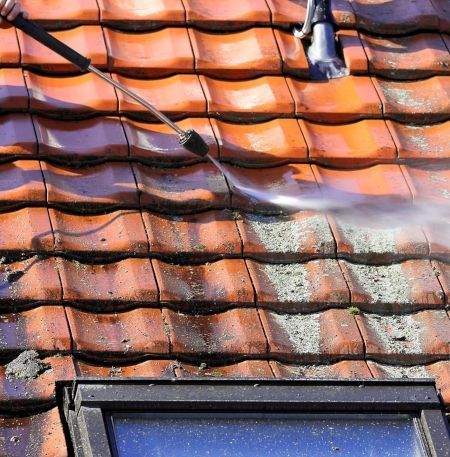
column 194, row 143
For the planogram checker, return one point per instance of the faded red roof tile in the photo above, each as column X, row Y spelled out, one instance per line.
column 238, row 55
column 442, row 272
column 353, row 52
column 293, row 55
column 312, row 338
column 17, row 137
column 13, row 91
column 155, row 54
column 147, row 369
column 428, row 184
column 9, row 47
column 347, row 369
column 246, row 369
column 442, row 9
column 205, row 236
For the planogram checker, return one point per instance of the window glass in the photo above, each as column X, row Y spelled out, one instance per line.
column 250, row 435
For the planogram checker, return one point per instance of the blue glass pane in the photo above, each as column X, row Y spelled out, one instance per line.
column 195, row 435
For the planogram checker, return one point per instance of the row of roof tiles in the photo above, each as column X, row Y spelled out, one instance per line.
column 254, row 52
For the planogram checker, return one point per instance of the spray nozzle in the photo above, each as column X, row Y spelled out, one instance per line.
column 194, row 143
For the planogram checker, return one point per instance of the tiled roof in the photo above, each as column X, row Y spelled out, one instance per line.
column 125, row 255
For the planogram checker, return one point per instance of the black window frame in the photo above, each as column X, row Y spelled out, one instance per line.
column 88, row 402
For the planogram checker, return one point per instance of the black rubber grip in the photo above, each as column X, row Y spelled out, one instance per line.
column 39, row 34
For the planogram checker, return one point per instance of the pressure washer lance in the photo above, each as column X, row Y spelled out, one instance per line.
column 189, row 139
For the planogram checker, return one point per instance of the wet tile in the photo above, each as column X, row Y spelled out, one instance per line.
column 13, row 91
column 247, row 369
column 31, row 280
column 17, row 137
column 73, row 96
column 299, row 287
column 388, row 17
column 312, row 338
column 212, row 287
column 87, row 40
column 147, row 369
column 27, row 394
column 224, row 15
column 204, row 236
column 129, row 283
column 410, row 57
column 348, row 369
column 154, row 54
column 35, row 232
column 182, row 190
column 42, row 329
column 293, row 54
column 238, row 55
column 105, row 186
column 430, row 184
column 21, row 183
column 141, row 14
column 420, row 102
column 406, row 339
column 339, row 100
column 266, row 144
column 420, row 142
column 10, row 52
column 92, row 140
column 275, row 189
column 253, row 100
column 355, row 58
column 41, row 435
column 226, row 336
column 442, row 272
column 299, row 237
column 116, row 234
column 158, row 144
column 400, row 287
column 362, row 143
column 116, row 336
column 443, row 13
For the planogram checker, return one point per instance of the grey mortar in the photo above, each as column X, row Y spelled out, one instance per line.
column 27, row 365
column 289, row 282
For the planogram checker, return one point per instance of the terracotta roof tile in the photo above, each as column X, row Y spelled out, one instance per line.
column 17, row 137
column 147, row 369
column 9, row 48
column 293, row 54
column 346, row 369
column 442, row 272
column 13, row 91
column 442, row 10
column 355, row 57
column 246, row 369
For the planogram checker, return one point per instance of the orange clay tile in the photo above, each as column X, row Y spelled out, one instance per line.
column 35, row 232
column 105, row 186
column 429, row 184
column 288, row 180
column 437, row 232
column 27, row 394
column 118, row 336
column 13, row 91
column 226, row 336
column 293, row 54
column 246, row 369
column 182, row 190
column 362, row 143
column 400, row 287
column 158, row 144
column 111, row 235
column 54, row 15
column 410, row 57
column 299, row 237
column 178, row 96
column 155, row 54
column 442, row 272
column 9, row 47
column 312, row 338
column 41, row 435
column 31, row 280
column 353, row 51
column 421, row 142
column 406, row 339
column 378, row 184
column 339, row 100
column 204, row 236
column 43, row 329
column 299, row 287
column 211, row 287
column 420, row 102
column 21, row 183
column 87, row 40
column 377, row 239
column 442, row 9
column 96, row 139
column 256, row 99
column 141, row 14
column 225, row 15
column 391, row 17
column 348, row 369
column 270, row 143
column 147, row 369
column 236, row 55
column 129, row 282
column 17, row 137
column 72, row 96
